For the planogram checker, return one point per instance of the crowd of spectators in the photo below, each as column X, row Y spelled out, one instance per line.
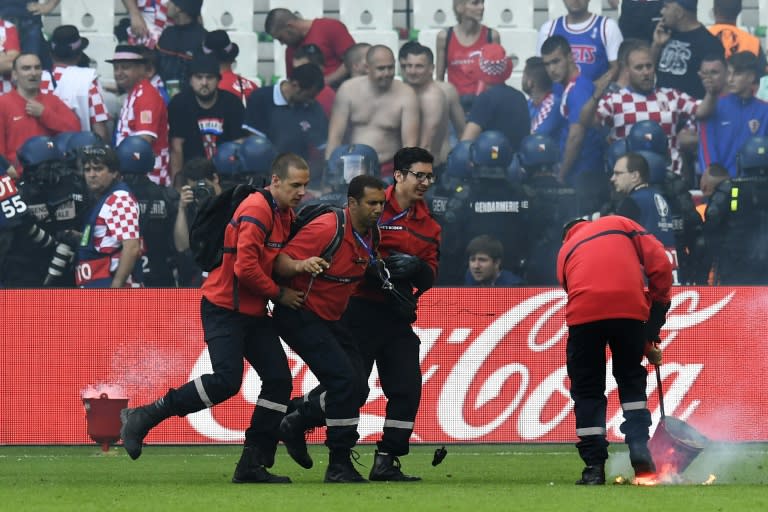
column 512, row 165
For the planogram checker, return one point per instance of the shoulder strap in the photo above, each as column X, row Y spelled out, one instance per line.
column 448, row 36
column 329, row 251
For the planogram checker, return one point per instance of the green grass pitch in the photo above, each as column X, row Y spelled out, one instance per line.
column 472, row 478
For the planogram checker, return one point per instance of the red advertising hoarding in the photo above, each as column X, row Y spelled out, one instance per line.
column 493, row 364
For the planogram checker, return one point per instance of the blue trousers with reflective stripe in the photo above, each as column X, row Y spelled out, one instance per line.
column 586, row 365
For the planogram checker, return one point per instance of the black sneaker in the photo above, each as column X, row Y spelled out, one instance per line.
column 250, row 470
column 592, row 475
column 386, row 468
column 292, row 435
column 136, row 424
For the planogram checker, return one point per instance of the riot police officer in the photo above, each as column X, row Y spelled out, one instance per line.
column 551, row 204
column 743, row 253
column 55, row 196
column 157, row 209
column 486, row 203
column 346, row 162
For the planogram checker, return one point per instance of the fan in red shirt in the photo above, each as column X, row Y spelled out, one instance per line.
column 26, row 112
column 603, row 266
column 316, row 333
column 331, row 36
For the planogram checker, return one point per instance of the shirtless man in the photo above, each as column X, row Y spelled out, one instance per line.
column 438, row 101
column 375, row 110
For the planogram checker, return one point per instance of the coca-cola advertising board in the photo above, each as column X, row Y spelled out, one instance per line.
column 493, row 365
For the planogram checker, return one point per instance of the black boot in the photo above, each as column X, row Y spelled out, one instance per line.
column 250, row 469
column 592, row 475
column 386, row 468
column 340, row 469
column 292, row 435
column 641, row 459
column 136, row 424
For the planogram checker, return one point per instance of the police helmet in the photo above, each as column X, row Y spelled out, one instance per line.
column 459, row 164
column 256, row 155
column 350, row 160
column 491, row 149
column 135, row 155
column 657, row 167
column 538, row 151
column 37, row 150
column 647, row 136
column 79, row 140
column 62, row 142
column 753, row 156
column 616, row 150
column 227, row 160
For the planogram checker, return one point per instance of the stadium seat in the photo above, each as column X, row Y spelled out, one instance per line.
column 357, row 15
column 100, row 48
column 89, row 16
column 501, row 14
column 306, row 9
column 432, row 15
column 247, row 63
column 234, row 15
column 520, row 44
column 556, row 8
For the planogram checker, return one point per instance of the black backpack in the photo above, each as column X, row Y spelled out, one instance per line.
column 206, row 234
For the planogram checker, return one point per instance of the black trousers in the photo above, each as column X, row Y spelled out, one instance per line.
column 390, row 342
column 586, row 365
column 232, row 336
column 329, row 351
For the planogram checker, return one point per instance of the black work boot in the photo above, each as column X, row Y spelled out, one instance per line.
column 251, row 470
column 592, row 475
column 386, row 468
column 340, row 469
column 641, row 459
column 292, row 435
column 136, row 424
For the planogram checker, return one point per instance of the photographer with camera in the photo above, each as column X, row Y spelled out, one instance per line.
column 50, row 205
column 201, row 182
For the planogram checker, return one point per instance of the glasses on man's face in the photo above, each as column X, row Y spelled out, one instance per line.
column 423, row 176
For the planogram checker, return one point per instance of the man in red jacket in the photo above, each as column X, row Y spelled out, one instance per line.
column 236, row 325
column 603, row 266
column 26, row 112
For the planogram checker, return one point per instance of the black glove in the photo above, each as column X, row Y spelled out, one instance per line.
column 401, row 265
column 656, row 319
column 412, row 268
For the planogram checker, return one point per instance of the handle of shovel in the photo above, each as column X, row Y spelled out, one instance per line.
column 661, row 392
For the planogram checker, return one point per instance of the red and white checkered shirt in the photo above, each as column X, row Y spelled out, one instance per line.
column 155, row 14
column 9, row 41
column 144, row 113
column 117, row 220
column 623, row 109
column 97, row 110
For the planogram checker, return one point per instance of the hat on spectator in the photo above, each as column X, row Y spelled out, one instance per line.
column 204, row 64
column 493, row 64
column 688, row 5
column 217, row 42
column 66, row 41
column 191, row 7
column 128, row 53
